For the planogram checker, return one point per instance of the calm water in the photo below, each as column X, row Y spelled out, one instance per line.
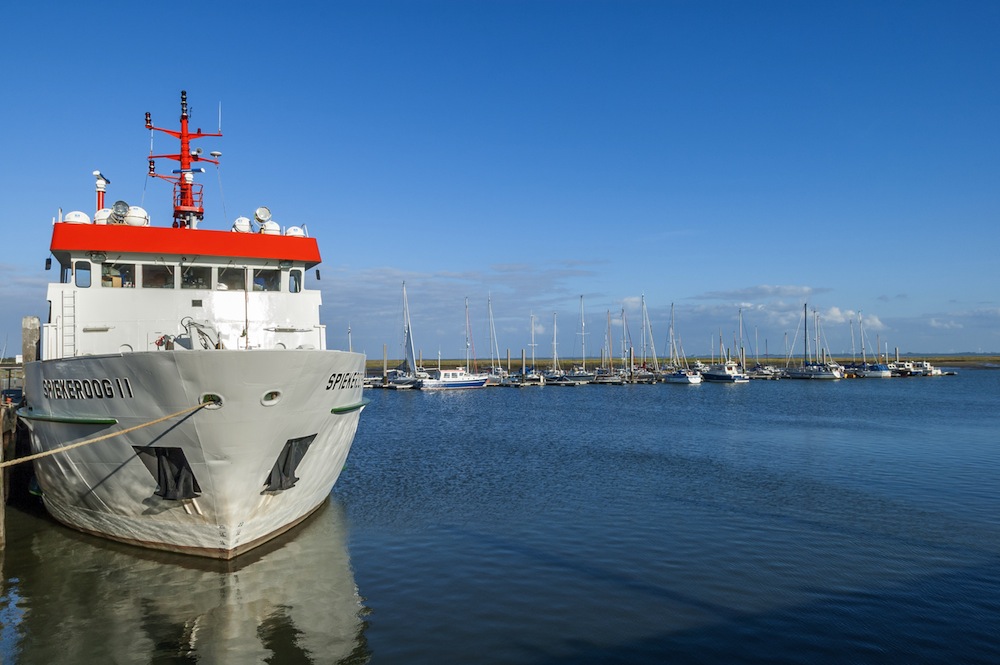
column 797, row 522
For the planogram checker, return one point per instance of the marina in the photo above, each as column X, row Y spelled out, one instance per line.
column 727, row 372
column 640, row 366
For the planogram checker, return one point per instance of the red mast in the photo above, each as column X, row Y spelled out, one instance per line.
column 188, row 210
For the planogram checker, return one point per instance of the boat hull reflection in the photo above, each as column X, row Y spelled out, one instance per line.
column 291, row 600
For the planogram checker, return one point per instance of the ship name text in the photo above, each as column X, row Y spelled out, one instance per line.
column 110, row 388
column 345, row 380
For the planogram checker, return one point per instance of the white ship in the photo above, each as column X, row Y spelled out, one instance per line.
column 212, row 331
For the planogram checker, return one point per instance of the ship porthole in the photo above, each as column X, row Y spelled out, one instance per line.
column 271, row 397
column 212, row 400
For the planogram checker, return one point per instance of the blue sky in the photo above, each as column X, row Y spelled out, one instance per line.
column 715, row 155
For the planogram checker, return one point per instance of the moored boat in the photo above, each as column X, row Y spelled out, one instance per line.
column 682, row 376
column 409, row 372
column 874, row 371
column 867, row 370
column 728, row 371
column 200, row 355
column 818, row 368
column 451, row 379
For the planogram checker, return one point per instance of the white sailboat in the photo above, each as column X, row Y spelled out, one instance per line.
column 580, row 374
column 497, row 373
column 555, row 376
column 606, row 374
column 531, row 376
column 681, row 373
column 649, row 368
column 876, row 370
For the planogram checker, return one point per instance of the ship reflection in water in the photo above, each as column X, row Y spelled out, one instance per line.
column 67, row 596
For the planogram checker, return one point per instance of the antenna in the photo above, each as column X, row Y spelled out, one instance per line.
column 220, row 117
column 188, row 210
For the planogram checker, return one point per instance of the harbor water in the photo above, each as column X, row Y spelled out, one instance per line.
column 853, row 521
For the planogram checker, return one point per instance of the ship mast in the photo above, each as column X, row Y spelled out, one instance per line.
column 188, row 210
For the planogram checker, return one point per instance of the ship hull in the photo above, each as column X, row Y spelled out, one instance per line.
column 213, row 482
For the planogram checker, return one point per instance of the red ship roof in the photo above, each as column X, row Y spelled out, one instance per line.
column 192, row 243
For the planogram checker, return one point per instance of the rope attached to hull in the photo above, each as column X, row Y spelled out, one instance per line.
column 47, row 453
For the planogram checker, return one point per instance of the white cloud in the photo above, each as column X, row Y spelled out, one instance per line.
column 945, row 325
column 763, row 292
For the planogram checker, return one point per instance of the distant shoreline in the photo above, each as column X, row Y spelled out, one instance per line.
column 959, row 361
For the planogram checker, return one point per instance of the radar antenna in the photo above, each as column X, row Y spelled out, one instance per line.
column 188, row 210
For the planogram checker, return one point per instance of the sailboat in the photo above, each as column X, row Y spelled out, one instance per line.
column 580, row 374
column 497, row 372
column 407, row 374
column 556, row 376
column 531, row 376
column 649, row 370
column 606, row 373
column 681, row 373
column 810, row 368
column 874, row 370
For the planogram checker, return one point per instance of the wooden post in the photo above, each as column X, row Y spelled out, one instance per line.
column 7, row 432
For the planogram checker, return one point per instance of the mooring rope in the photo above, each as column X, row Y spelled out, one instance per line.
column 78, row 444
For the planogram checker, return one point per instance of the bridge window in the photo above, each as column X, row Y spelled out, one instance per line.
column 157, row 277
column 196, row 277
column 294, row 281
column 232, row 279
column 266, row 279
column 118, row 275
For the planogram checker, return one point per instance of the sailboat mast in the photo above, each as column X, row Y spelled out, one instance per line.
column 532, row 342
column 611, row 346
column 739, row 349
column 861, row 334
column 673, row 347
column 468, row 343
column 555, row 356
column 805, row 334
column 494, row 344
column 642, row 334
column 625, row 340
